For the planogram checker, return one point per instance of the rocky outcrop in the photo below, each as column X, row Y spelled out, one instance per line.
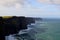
column 38, row 19
column 13, row 25
column 30, row 20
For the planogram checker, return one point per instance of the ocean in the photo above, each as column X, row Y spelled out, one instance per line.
column 47, row 29
column 52, row 29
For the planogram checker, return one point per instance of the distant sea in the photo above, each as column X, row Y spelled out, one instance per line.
column 53, row 29
column 47, row 29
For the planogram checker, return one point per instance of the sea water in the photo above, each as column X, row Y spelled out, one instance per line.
column 47, row 29
column 52, row 31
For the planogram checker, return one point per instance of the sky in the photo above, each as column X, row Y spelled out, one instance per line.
column 29, row 8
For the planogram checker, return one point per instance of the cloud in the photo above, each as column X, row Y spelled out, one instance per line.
column 27, row 10
column 12, row 3
column 49, row 1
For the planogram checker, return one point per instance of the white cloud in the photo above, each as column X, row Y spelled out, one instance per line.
column 49, row 1
column 27, row 10
column 52, row 2
column 45, row 11
column 12, row 3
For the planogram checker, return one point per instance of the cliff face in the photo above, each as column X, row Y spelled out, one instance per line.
column 38, row 19
column 14, row 24
column 30, row 20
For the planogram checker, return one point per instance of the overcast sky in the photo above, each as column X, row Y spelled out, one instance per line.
column 30, row 8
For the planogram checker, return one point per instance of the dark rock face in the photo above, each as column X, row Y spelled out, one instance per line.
column 30, row 20
column 1, row 26
column 14, row 25
column 38, row 19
